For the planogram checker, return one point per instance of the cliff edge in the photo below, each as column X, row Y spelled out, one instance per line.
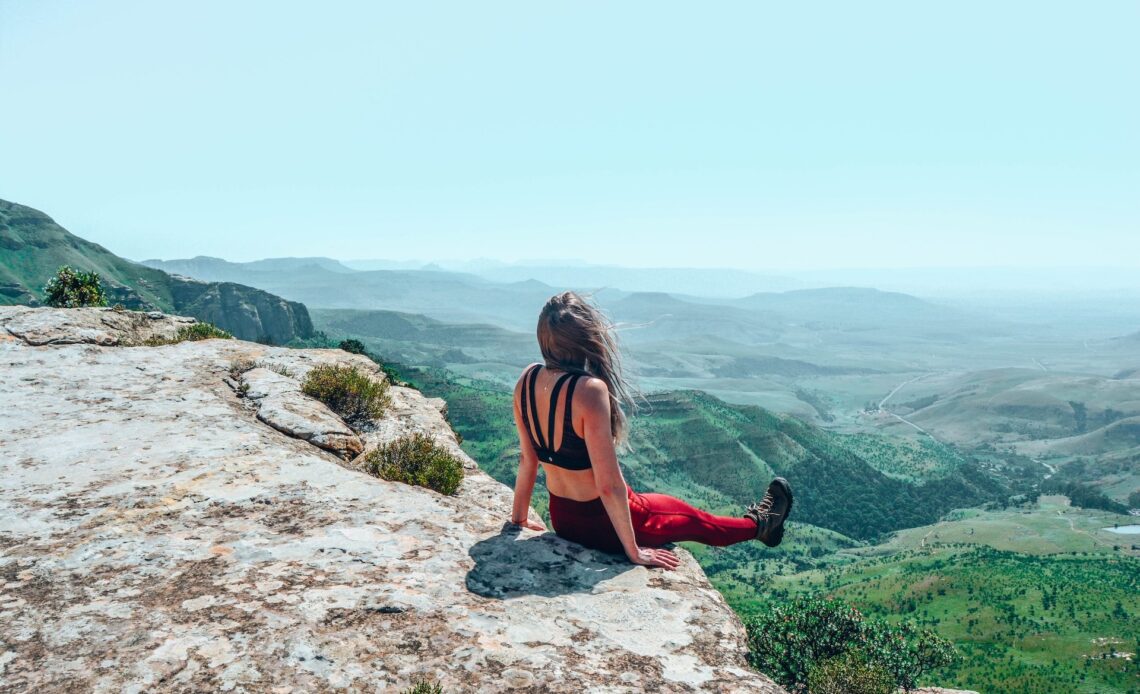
column 161, row 529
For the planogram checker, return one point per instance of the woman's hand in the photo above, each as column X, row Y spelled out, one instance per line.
column 647, row 556
column 531, row 524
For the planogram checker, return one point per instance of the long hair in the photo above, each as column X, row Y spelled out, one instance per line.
column 576, row 337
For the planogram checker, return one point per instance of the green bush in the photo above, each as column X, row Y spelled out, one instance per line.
column 850, row 673
column 788, row 641
column 191, row 333
column 354, row 395
column 352, row 346
column 418, row 460
column 201, row 331
column 71, row 288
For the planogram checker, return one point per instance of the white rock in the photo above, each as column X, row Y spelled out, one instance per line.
column 180, row 544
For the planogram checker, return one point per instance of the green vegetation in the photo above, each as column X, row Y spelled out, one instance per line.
column 849, row 673
column 418, row 460
column 71, row 288
column 789, row 641
column 1057, row 620
column 352, row 346
column 354, row 395
column 1083, row 495
column 191, row 333
column 722, row 456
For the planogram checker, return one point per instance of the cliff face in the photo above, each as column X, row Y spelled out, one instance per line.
column 33, row 247
column 159, row 530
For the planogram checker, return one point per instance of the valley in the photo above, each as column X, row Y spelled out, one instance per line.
column 955, row 465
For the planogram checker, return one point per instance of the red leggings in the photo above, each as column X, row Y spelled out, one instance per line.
column 658, row 519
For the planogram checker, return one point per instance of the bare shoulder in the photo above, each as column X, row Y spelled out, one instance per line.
column 522, row 376
column 592, row 392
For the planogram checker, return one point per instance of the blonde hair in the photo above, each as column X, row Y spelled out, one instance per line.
column 576, row 337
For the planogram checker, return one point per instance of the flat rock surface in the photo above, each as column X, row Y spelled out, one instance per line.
column 99, row 326
column 156, row 536
column 281, row 404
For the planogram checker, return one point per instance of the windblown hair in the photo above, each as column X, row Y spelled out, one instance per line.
column 576, row 337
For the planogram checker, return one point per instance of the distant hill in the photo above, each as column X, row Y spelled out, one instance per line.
column 33, row 247
column 411, row 338
column 721, row 282
column 219, row 270
column 450, row 296
column 849, row 306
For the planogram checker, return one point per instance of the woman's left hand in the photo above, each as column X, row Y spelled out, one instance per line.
column 531, row 524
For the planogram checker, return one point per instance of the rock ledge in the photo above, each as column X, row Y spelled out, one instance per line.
column 155, row 535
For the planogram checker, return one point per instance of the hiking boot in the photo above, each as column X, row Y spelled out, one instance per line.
column 770, row 514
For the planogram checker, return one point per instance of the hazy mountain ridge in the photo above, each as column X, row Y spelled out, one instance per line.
column 33, row 247
column 219, row 270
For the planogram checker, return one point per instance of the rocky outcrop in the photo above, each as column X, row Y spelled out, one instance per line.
column 94, row 326
column 281, row 404
column 156, row 535
column 33, row 247
column 248, row 313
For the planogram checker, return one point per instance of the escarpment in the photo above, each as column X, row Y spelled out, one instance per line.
column 161, row 531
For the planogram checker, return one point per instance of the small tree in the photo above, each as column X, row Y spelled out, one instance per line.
column 71, row 288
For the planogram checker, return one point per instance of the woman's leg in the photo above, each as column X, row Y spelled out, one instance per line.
column 659, row 519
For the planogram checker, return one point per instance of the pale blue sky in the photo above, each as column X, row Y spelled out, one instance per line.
column 753, row 135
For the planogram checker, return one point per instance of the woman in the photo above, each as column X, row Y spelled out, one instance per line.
column 568, row 414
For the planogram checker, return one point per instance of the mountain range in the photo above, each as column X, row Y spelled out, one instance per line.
column 33, row 247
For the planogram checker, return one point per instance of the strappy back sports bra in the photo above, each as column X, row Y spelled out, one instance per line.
column 571, row 453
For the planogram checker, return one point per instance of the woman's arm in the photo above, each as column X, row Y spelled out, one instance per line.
column 594, row 407
column 527, row 474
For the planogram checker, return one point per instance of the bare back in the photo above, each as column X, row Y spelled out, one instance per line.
column 579, row 485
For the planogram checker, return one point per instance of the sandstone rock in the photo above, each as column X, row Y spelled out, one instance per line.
column 155, row 536
column 261, row 382
column 97, row 326
column 304, row 418
column 281, row 404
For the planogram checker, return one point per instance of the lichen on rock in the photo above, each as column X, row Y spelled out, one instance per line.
column 156, row 535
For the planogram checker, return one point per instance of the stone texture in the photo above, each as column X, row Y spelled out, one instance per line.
column 97, row 326
column 156, row 536
column 281, row 404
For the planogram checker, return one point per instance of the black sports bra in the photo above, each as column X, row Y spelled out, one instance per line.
column 571, row 453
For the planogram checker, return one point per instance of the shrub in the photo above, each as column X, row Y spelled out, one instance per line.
column 354, row 395
column 201, row 331
column 789, row 640
column 191, row 333
column 849, row 674
column 352, row 346
column 71, row 288
column 418, row 460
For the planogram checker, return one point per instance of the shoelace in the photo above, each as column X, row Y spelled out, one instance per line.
column 763, row 510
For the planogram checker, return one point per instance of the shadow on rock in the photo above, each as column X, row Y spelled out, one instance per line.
column 507, row 566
